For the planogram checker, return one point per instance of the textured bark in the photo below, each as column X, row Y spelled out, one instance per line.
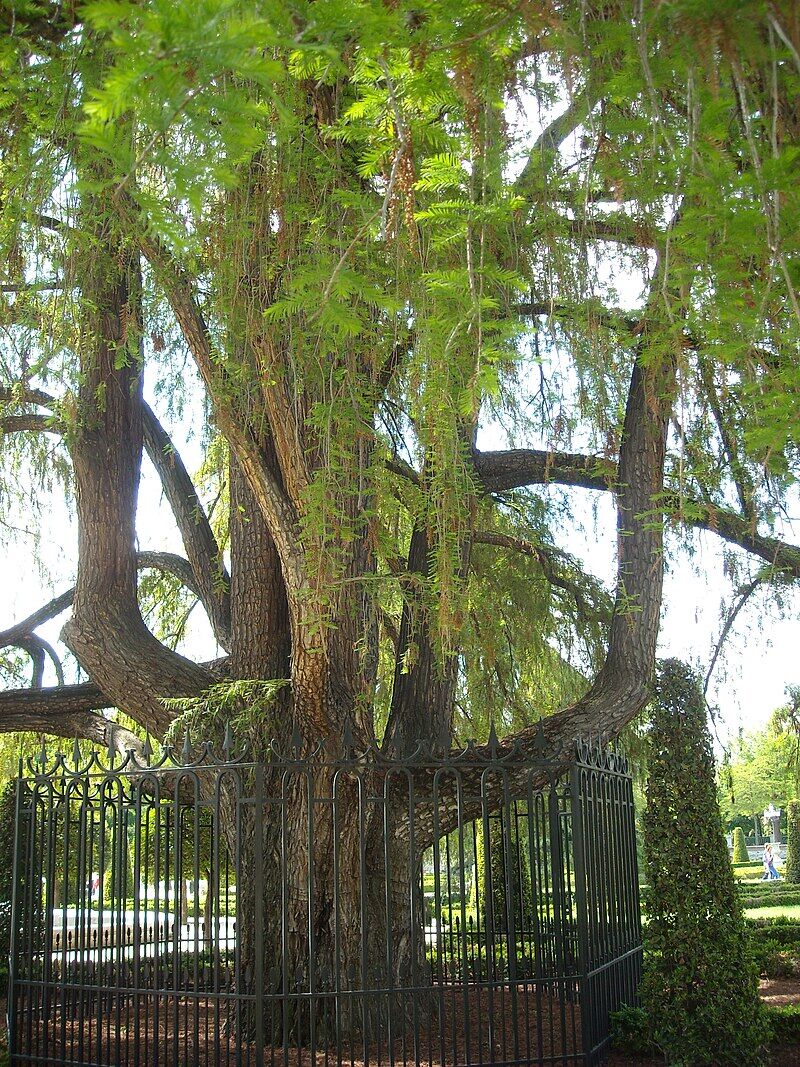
column 63, row 711
column 424, row 685
column 106, row 631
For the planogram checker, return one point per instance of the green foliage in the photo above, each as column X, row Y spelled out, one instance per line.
column 759, row 771
column 740, row 854
column 504, row 890
column 631, row 1027
column 700, row 987
column 784, row 1023
column 769, row 894
column 791, row 870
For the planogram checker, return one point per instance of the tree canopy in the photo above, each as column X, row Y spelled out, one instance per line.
column 436, row 267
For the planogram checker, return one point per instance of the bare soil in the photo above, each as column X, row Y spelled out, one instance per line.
column 555, row 1039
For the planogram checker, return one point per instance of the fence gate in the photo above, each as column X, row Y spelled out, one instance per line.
column 205, row 909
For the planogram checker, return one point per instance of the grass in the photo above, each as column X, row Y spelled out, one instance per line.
column 791, row 911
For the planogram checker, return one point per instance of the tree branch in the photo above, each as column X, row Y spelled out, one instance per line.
column 210, row 579
column 553, row 136
column 33, row 423
column 270, row 496
column 64, row 711
column 517, row 467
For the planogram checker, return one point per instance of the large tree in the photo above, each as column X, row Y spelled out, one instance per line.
column 380, row 230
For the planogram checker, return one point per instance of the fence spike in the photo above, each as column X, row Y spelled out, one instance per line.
column 493, row 740
column 186, row 751
column 76, row 753
column 227, row 742
column 296, row 742
column 347, row 739
column 147, row 749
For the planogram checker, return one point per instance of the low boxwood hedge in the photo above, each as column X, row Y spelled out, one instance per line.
column 630, row 1029
column 764, row 895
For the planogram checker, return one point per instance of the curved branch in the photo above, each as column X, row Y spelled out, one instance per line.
column 516, row 468
column 168, row 562
column 64, row 711
column 549, row 560
column 744, row 595
column 210, row 578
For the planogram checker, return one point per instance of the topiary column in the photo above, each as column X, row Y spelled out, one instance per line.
column 700, row 988
column 791, row 870
column 740, row 853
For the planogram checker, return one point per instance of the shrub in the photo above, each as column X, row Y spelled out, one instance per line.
column 784, row 1023
column 700, row 988
column 740, row 854
column 791, row 871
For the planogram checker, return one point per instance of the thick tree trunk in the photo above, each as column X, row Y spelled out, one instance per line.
column 341, row 909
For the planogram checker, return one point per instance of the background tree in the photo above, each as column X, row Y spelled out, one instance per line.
column 329, row 212
column 700, row 987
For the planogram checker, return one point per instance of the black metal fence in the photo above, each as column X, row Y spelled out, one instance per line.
column 194, row 910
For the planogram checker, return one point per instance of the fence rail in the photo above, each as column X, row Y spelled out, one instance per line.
column 195, row 910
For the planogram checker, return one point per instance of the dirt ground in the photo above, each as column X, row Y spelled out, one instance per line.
column 773, row 991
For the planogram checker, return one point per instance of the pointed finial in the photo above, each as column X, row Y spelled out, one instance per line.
column 227, row 742
column 296, row 742
column 76, row 753
column 43, row 754
column 347, row 739
column 147, row 749
column 493, row 741
column 111, row 746
column 539, row 740
column 186, row 751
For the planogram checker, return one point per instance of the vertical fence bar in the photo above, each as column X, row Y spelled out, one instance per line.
column 580, row 869
column 16, row 875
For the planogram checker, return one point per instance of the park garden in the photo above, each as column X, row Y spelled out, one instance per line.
column 398, row 426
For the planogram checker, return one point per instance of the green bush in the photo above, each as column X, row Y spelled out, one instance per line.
column 740, row 854
column 700, row 988
column 791, row 871
column 630, row 1032
column 769, row 895
column 631, row 1027
column 784, row 1024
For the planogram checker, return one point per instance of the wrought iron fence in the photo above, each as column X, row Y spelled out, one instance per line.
column 202, row 910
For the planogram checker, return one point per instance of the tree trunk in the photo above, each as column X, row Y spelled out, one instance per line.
column 341, row 910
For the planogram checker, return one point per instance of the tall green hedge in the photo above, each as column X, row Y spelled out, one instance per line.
column 700, row 988
column 740, row 854
column 510, row 866
column 791, row 870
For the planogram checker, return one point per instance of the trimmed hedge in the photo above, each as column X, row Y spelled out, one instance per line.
column 700, row 987
column 631, row 1029
column 769, row 896
column 740, row 854
column 791, row 871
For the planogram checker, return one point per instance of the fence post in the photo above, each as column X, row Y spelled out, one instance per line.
column 258, row 849
column 580, row 868
column 11, row 1015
